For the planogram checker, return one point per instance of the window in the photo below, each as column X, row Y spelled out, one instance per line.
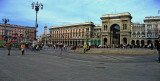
column 124, row 26
column 105, row 27
column 76, row 32
column 138, row 34
column 156, row 28
column 143, row 28
column 134, row 34
column 156, row 34
column 79, row 33
column 82, row 32
column 149, row 34
column 149, row 27
column 143, row 34
column 94, row 35
column 87, row 29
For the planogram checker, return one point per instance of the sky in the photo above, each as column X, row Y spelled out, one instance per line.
column 64, row 12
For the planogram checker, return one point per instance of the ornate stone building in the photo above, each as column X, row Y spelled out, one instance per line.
column 144, row 34
column 74, row 34
column 116, row 29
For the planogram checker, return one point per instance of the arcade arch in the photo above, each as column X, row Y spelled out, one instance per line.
column 115, row 34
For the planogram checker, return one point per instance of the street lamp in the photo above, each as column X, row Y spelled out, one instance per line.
column 36, row 9
column 5, row 22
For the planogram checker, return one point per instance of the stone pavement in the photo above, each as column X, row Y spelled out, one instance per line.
column 49, row 65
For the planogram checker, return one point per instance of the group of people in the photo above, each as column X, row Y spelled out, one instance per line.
column 9, row 46
column 24, row 46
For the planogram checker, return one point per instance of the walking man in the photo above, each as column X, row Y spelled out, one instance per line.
column 85, row 47
column 9, row 46
column 22, row 48
column 158, row 49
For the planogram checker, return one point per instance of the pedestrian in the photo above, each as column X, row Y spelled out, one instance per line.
column 22, row 48
column 61, row 48
column 27, row 46
column 33, row 47
column 9, row 46
column 158, row 49
column 37, row 48
column 151, row 46
column 64, row 46
column 85, row 47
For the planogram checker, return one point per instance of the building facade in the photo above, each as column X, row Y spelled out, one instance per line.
column 116, row 30
column 24, row 33
column 75, row 34
column 144, row 34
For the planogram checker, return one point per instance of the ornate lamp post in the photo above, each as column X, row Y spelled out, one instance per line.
column 36, row 9
column 5, row 22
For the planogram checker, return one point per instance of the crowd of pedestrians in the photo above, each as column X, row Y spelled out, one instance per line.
column 25, row 47
column 37, row 47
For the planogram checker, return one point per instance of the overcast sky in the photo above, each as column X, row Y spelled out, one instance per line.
column 63, row 12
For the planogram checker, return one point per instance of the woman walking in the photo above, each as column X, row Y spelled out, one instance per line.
column 22, row 48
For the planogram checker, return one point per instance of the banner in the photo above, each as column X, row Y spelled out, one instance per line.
column 21, row 36
column 0, row 37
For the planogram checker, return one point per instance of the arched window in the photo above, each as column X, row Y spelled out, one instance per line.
column 143, row 34
column 134, row 34
column 138, row 34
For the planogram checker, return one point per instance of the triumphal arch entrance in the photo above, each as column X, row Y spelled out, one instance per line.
column 116, row 29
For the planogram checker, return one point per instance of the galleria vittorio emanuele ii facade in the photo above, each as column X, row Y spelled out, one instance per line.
column 116, row 30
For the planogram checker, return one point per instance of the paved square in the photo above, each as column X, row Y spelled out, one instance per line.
column 49, row 65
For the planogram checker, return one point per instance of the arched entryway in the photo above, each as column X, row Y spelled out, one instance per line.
column 142, row 43
column 138, row 43
column 115, row 34
column 124, row 40
column 105, row 41
column 133, row 42
column 148, row 42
